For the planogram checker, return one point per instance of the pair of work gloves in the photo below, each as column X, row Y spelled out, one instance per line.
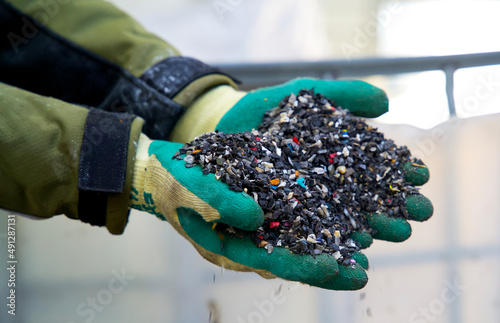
column 192, row 202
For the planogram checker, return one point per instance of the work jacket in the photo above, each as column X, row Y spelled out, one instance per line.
column 79, row 81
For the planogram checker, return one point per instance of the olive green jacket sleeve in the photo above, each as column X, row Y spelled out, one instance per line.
column 99, row 27
column 91, row 53
column 60, row 57
column 40, row 145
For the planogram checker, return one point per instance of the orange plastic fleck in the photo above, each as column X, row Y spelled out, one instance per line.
column 275, row 181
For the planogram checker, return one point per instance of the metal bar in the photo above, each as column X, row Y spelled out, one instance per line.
column 261, row 74
column 449, row 72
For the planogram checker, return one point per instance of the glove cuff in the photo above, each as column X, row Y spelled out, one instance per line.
column 205, row 113
column 140, row 163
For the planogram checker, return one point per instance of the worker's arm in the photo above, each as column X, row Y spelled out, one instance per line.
column 48, row 165
column 91, row 53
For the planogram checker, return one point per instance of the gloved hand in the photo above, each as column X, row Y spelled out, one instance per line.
column 228, row 110
column 191, row 201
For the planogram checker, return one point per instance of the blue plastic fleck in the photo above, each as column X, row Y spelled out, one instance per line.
column 274, row 186
column 301, row 181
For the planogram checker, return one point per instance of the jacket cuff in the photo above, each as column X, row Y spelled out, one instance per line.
column 183, row 79
column 118, row 204
column 105, row 168
column 163, row 93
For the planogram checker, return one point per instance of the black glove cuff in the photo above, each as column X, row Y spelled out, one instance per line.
column 103, row 162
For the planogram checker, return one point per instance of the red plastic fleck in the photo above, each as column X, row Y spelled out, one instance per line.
column 332, row 155
column 273, row 224
column 295, row 140
column 257, row 138
column 261, row 237
column 253, row 148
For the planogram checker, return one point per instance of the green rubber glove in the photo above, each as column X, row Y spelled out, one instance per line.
column 192, row 202
column 228, row 110
column 360, row 98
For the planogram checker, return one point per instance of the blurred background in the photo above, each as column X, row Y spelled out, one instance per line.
column 448, row 271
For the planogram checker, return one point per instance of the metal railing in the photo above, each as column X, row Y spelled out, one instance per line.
column 254, row 75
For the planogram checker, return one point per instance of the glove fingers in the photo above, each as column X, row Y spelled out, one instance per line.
column 419, row 207
column 351, row 277
column 361, row 259
column 359, row 97
column 388, row 228
column 416, row 173
column 395, row 229
column 364, row 239
column 233, row 208
column 242, row 251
